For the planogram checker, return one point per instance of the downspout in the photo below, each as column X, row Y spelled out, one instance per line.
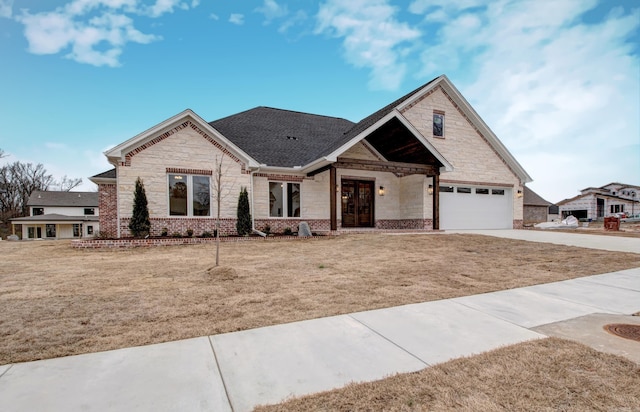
column 253, row 214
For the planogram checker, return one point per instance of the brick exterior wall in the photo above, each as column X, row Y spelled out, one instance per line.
column 402, row 224
column 278, row 225
column 181, row 225
column 108, row 205
column 518, row 224
column 535, row 214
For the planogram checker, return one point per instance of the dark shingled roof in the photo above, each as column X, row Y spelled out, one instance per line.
column 279, row 137
column 109, row 174
column 531, row 198
column 286, row 138
column 72, row 199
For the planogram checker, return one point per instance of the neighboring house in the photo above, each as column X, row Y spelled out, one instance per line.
column 596, row 203
column 554, row 213
column 425, row 161
column 536, row 209
column 60, row 215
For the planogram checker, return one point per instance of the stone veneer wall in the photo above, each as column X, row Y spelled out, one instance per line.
column 473, row 159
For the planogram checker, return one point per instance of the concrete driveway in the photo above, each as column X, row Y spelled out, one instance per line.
column 591, row 241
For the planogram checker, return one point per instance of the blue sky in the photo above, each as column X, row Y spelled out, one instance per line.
column 557, row 80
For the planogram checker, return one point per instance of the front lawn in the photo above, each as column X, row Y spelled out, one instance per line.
column 57, row 301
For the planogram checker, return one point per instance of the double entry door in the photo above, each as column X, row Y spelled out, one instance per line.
column 357, row 203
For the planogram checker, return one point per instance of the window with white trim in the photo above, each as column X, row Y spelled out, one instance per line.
column 284, row 199
column 189, row 195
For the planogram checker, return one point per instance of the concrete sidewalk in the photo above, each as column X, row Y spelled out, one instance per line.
column 591, row 241
column 237, row 371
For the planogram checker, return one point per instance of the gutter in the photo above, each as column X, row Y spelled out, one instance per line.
column 253, row 218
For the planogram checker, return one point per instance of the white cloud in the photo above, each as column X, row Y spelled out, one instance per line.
column 214, row 16
column 236, row 18
column 6, row 8
column 272, row 10
column 560, row 93
column 373, row 37
column 166, row 6
column 297, row 18
column 95, row 31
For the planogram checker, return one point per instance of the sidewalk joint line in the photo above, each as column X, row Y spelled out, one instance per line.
column 8, row 369
column 224, row 384
column 389, row 340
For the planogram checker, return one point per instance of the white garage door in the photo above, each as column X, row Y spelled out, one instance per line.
column 468, row 207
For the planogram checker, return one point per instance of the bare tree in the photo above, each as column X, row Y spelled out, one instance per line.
column 221, row 187
column 18, row 180
column 66, row 184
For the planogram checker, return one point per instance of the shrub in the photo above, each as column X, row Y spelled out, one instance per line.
column 139, row 224
column 287, row 231
column 243, row 225
column 189, row 232
column 206, row 234
column 165, row 232
column 267, row 230
column 176, row 234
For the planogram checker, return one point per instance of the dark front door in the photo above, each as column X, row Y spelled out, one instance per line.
column 357, row 203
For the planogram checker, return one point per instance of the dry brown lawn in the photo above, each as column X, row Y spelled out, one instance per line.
column 544, row 375
column 58, row 301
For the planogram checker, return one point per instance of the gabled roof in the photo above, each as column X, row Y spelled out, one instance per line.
column 109, row 174
column 370, row 123
column 281, row 138
column 108, row 177
column 531, row 198
column 62, row 199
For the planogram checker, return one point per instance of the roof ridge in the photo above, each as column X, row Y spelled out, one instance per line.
column 281, row 110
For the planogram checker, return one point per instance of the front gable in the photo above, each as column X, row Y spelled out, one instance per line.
column 474, row 151
column 188, row 121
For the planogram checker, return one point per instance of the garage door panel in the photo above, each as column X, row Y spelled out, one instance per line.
column 476, row 211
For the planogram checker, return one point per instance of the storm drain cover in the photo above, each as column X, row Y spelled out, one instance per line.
column 624, row 330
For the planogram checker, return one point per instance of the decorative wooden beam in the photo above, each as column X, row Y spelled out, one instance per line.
column 381, row 166
column 333, row 187
column 436, row 202
column 318, row 171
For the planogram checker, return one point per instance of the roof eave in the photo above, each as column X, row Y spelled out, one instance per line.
column 116, row 155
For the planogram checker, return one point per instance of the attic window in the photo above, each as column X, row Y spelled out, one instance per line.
column 38, row 211
column 438, row 123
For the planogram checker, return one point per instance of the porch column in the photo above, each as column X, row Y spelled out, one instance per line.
column 436, row 202
column 332, row 198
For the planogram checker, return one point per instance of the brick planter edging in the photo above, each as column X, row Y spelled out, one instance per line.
column 128, row 243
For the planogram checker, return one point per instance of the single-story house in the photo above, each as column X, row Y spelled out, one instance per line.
column 426, row 161
column 536, row 209
column 59, row 215
column 613, row 199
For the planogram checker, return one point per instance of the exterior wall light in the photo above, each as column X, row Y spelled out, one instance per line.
column 430, row 189
column 381, row 191
column 519, row 193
